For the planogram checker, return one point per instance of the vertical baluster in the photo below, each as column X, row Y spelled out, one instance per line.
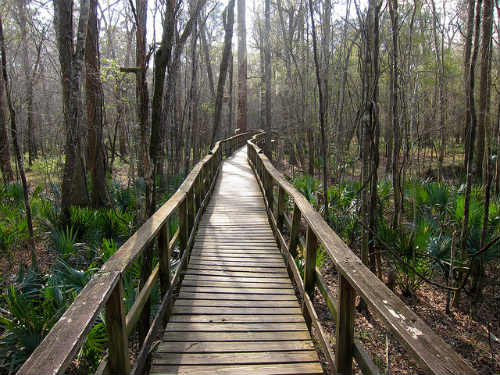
column 268, row 186
column 199, row 190
column 281, row 207
column 345, row 327
column 190, row 211
column 163, row 256
column 310, row 261
column 183, row 227
column 294, row 231
column 115, row 324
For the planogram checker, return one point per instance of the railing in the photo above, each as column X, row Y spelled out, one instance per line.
column 105, row 289
column 430, row 351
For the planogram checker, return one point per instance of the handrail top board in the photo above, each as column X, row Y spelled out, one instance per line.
column 431, row 351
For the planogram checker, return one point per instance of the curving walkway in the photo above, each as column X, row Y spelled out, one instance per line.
column 236, row 312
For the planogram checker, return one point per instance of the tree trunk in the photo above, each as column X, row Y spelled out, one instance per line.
column 322, row 112
column 267, row 73
column 242, row 67
column 484, row 82
column 71, row 61
column 28, row 79
column 228, row 27
column 19, row 158
column 95, row 112
column 5, row 166
column 396, row 174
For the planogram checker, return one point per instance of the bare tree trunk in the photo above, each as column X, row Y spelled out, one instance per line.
column 71, row 60
column 242, row 67
column 228, row 27
column 95, row 112
column 267, row 73
column 206, row 52
column 471, row 111
column 28, row 79
column 484, row 82
column 439, row 55
column 5, row 166
column 13, row 132
column 467, row 57
column 396, row 173
column 322, row 114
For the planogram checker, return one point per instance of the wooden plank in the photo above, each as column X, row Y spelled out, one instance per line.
column 228, row 358
column 227, row 273
column 236, row 303
column 236, row 318
column 235, row 257
column 246, row 264
column 278, row 270
column 238, row 296
column 268, row 369
column 211, row 310
column 235, row 336
column 233, row 347
column 234, row 327
column 237, row 279
column 235, row 284
column 118, row 358
column 228, row 290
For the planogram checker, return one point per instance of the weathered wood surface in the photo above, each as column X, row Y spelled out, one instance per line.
column 236, row 312
column 430, row 350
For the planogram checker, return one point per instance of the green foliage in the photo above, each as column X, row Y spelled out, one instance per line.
column 309, row 187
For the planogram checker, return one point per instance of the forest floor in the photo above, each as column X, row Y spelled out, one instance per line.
column 476, row 340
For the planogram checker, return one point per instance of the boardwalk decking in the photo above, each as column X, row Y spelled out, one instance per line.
column 236, row 312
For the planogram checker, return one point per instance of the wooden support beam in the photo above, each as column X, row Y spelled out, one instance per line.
column 345, row 327
column 164, row 258
column 119, row 362
column 294, row 232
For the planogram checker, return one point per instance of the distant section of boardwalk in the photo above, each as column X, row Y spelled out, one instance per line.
column 236, row 312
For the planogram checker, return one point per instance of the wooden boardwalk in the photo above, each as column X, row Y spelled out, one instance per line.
column 236, row 312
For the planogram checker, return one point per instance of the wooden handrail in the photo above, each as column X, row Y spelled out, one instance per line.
column 430, row 350
column 105, row 289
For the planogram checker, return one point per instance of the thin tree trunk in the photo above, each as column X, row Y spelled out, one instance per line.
column 242, row 67
column 228, row 27
column 13, row 132
column 95, row 112
column 484, row 81
column 322, row 114
column 267, row 73
column 5, row 166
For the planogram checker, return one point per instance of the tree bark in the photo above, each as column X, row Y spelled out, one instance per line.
column 322, row 112
column 228, row 27
column 5, row 166
column 71, row 60
column 484, row 82
column 242, row 67
column 95, row 112
column 28, row 79
column 17, row 150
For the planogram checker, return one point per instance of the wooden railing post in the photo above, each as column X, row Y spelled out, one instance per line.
column 190, row 211
column 268, row 187
column 198, row 185
column 280, row 216
column 119, row 362
column 310, row 261
column 163, row 258
column 294, row 231
column 345, row 327
column 183, row 225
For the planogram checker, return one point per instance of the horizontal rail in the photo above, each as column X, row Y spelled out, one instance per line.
column 105, row 289
column 430, row 350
